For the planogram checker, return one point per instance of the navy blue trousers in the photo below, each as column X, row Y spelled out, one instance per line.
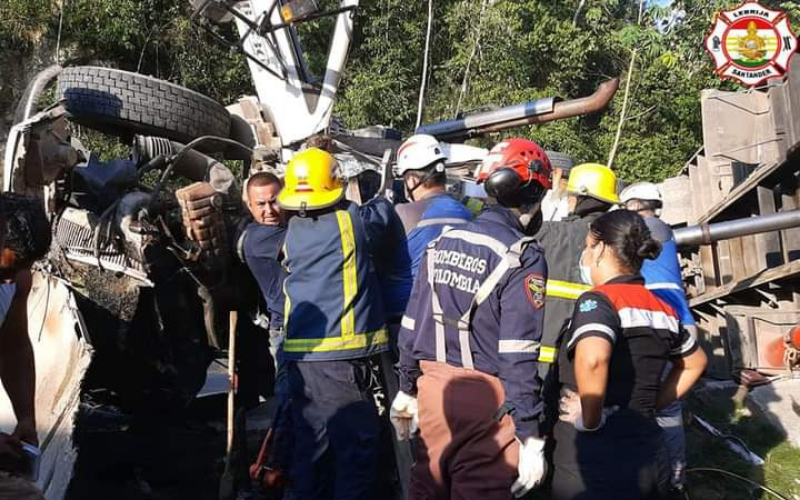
column 625, row 460
column 283, row 447
column 336, row 430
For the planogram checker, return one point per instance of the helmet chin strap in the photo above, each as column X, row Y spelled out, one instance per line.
column 438, row 168
column 410, row 190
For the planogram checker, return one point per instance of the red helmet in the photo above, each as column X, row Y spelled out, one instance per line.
column 513, row 165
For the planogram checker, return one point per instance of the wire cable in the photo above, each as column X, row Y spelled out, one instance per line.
column 742, row 478
column 425, row 65
column 475, row 46
column 60, row 24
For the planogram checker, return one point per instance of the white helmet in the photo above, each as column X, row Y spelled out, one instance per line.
column 418, row 152
column 641, row 191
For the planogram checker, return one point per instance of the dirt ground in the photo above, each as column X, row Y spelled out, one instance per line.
column 176, row 456
column 180, row 455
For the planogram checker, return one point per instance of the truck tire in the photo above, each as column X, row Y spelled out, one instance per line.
column 124, row 103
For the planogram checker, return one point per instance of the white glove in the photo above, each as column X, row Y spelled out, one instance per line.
column 607, row 412
column 404, row 415
column 531, row 466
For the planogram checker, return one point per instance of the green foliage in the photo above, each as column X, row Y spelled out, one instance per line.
column 530, row 49
column 527, row 49
column 21, row 22
column 105, row 147
column 153, row 37
column 721, row 409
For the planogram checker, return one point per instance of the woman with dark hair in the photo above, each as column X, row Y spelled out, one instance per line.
column 613, row 353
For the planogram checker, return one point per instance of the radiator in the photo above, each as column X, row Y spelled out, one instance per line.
column 74, row 234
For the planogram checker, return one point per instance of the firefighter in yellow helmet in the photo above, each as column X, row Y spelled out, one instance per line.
column 333, row 324
column 592, row 190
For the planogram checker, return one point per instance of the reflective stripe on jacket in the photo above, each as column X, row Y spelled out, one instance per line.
column 478, row 303
column 563, row 242
column 662, row 275
column 440, row 211
column 333, row 302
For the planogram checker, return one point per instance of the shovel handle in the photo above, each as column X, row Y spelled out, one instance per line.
column 234, row 318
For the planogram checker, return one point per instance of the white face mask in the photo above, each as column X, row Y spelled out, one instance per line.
column 586, row 271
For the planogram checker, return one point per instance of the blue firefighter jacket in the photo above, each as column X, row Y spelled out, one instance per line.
column 502, row 333
column 662, row 275
column 333, row 302
column 426, row 219
column 261, row 247
column 387, row 241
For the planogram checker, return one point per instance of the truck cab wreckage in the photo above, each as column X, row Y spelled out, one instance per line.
column 143, row 269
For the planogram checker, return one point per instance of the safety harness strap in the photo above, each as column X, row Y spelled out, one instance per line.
column 436, row 308
column 509, row 259
column 441, row 221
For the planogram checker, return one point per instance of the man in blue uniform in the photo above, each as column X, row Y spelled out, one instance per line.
column 334, row 323
column 388, row 247
column 469, row 343
column 260, row 247
column 420, row 162
column 662, row 276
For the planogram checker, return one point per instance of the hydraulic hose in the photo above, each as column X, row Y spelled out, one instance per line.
column 185, row 150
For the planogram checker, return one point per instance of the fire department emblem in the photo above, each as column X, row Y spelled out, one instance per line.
column 535, row 288
column 751, row 44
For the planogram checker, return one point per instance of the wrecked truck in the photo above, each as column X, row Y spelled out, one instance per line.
column 146, row 244
column 133, row 295
column 132, row 299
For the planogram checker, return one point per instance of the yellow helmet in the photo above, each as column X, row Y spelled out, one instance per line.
column 312, row 181
column 595, row 180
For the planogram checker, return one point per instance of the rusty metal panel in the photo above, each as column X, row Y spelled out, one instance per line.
column 678, row 205
column 722, row 178
column 785, row 101
column 792, row 103
column 753, row 262
column 737, row 256
column 738, row 126
column 788, row 273
column 709, row 270
column 768, row 244
column 696, row 191
column 725, row 262
column 755, row 336
column 790, row 200
column 707, row 192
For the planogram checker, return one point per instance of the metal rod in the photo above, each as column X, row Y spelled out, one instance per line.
column 266, row 28
column 239, row 48
column 705, row 234
column 538, row 111
column 233, row 321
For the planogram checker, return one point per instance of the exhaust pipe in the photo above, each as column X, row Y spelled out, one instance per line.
column 705, row 234
column 538, row 111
